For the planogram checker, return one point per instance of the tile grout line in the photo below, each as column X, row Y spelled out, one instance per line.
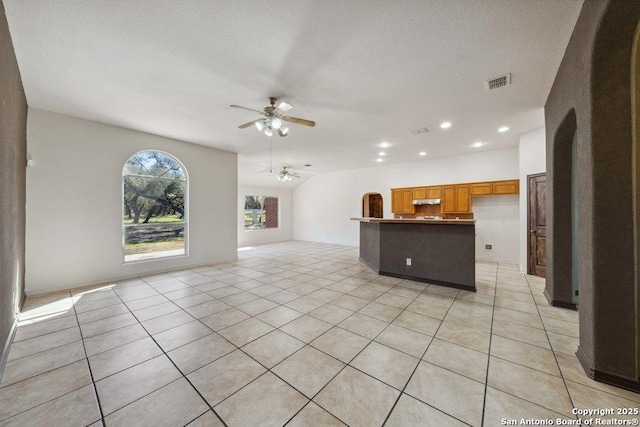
column 307, row 313
column 51, row 370
column 402, row 392
column 486, row 378
column 353, row 358
column 164, row 353
column 528, row 367
column 564, row 381
column 309, row 344
column 93, row 383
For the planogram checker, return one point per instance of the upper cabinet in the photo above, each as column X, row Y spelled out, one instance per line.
column 481, row 189
column 419, row 193
column 407, row 201
column 454, row 198
column 402, row 200
column 396, row 200
column 434, row 192
column 506, row 187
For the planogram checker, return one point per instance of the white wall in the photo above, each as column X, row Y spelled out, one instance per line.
column 532, row 160
column 323, row 205
column 74, row 202
column 496, row 218
column 285, row 219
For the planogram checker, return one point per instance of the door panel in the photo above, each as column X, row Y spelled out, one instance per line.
column 536, row 254
column 396, row 200
column 448, row 198
column 433, row 192
column 375, row 205
column 420, row 193
column 407, row 201
column 463, row 202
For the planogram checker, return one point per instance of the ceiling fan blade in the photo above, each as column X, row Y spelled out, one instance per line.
column 245, row 108
column 246, row 125
column 299, row 121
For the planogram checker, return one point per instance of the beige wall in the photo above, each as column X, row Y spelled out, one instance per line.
column 74, row 202
column 13, row 144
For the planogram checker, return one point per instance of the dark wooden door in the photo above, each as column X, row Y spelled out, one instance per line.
column 375, row 205
column 536, row 253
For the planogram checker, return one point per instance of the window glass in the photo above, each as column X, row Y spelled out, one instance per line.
column 154, row 206
column 260, row 212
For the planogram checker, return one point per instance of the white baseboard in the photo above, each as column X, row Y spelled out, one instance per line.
column 510, row 261
column 50, row 290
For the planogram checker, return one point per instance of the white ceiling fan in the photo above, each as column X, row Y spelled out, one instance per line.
column 273, row 118
column 287, row 175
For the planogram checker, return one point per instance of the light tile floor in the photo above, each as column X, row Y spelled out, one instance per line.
column 300, row 334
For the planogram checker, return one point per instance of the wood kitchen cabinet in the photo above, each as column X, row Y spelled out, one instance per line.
column 402, row 200
column 481, row 189
column 419, row 193
column 407, row 200
column 456, row 199
column 448, row 200
column 506, row 187
column 463, row 199
column 434, row 192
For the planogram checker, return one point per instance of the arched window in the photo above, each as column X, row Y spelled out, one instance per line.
column 154, row 220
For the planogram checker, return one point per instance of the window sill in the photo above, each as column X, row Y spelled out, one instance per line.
column 156, row 256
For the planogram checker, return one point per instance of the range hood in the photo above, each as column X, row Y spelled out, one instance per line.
column 426, row 202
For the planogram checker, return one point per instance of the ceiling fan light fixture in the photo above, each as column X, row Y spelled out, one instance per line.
column 268, row 131
column 284, row 106
column 260, row 125
column 276, row 123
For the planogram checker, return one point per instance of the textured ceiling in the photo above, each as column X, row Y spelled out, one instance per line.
column 366, row 71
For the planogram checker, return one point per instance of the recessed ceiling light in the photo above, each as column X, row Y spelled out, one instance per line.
column 379, row 160
column 477, row 144
column 503, row 129
column 384, row 145
column 422, row 153
column 445, row 125
column 382, row 153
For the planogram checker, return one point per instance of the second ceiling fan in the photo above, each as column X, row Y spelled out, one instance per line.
column 274, row 118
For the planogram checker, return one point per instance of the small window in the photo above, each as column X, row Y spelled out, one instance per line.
column 154, row 209
column 260, row 212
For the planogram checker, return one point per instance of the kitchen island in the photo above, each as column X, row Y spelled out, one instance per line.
column 440, row 251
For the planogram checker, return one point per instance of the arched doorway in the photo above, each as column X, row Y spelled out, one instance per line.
column 562, row 257
column 598, row 80
column 372, row 205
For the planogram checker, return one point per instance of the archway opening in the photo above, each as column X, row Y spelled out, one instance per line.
column 563, row 253
column 372, row 205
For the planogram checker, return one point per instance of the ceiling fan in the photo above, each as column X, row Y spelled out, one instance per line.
column 286, row 175
column 273, row 118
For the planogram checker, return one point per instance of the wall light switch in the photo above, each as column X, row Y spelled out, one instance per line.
column 408, row 261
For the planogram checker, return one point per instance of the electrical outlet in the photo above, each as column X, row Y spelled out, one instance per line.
column 408, row 261
column 488, row 247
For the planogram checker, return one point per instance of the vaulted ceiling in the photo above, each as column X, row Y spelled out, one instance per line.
column 366, row 71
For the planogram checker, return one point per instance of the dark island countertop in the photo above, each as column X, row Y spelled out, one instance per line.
column 417, row 221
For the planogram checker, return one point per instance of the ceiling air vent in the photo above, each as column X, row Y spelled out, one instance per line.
column 498, row 82
column 420, row 131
